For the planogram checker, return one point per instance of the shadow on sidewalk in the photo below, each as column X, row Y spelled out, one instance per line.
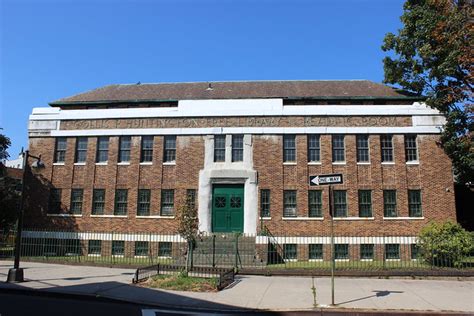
column 378, row 293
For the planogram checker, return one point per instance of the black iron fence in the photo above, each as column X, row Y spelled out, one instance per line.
column 254, row 251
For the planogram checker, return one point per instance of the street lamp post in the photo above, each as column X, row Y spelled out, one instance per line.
column 15, row 274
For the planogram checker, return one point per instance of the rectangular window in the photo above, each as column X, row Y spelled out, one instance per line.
column 365, row 203
column 81, row 149
column 143, row 205
column 102, row 149
column 121, row 196
column 125, row 144
column 290, row 251
column 362, row 144
column 315, row 203
column 289, row 203
column 341, row 251
column 98, row 202
column 55, row 201
column 411, row 150
column 392, row 251
column 219, row 148
column 167, row 202
column 191, row 198
column 367, row 251
column 338, row 154
column 315, row 252
column 141, row 248
column 314, row 148
column 265, row 203
column 169, row 150
column 289, row 148
column 237, row 148
column 389, row 203
column 415, row 251
column 414, row 203
column 386, row 145
column 146, row 154
column 164, row 249
column 95, row 247
column 340, row 203
column 118, row 248
column 60, row 149
column 76, row 201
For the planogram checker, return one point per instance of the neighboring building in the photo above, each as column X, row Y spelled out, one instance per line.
column 15, row 163
column 123, row 158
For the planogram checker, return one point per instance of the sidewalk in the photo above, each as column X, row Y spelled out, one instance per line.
column 254, row 292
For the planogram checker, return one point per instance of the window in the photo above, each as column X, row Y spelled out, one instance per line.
column 55, row 201
column 289, row 148
column 362, row 144
column 118, row 248
column 340, row 203
column 315, row 204
column 141, row 248
column 338, row 154
column 392, row 251
column 98, row 202
column 76, row 201
column 219, row 148
column 191, row 198
column 341, row 251
column 81, row 149
column 124, row 148
column 367, row 251
column 143, row 205
column 164, row 249
column 265, row 203
column 120, row 207
column 386, row 146
column 314, row 148
column 102, row 149
column 169, row 151
column 365, row 203
column 167, row 202
column 415, row 251
column 389, row 203
column 146, row 154
column 95, row 247
column 237, row 148
column 411, row 151
column 289, row 203
column 414, row 203
column 315, row 252
column 290, row 252
column 60, row 150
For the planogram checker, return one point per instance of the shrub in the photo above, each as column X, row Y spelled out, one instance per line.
column 445, row 244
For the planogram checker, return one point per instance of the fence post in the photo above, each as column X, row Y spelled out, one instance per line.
column 213, row 250
column 236, row 250
column 383, row 252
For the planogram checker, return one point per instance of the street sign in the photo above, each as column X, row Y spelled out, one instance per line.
column 324, row 179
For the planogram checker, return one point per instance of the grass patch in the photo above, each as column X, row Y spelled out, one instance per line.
column 180, row 282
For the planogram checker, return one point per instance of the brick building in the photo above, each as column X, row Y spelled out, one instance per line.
column 123, row 158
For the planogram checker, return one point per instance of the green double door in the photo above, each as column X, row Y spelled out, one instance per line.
column 228, row 208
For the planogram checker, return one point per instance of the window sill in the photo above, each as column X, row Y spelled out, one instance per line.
column 265, row 218
column 363, row 163
column 64, row 215
column 314, row 163
column 123, row 163
column 156, row 216
column 302, row 218
column 315, row 260
column 290, row 260
column 101, row 163
column 342, row 260
column 110, row 216
column 118, row 256
column 367, row 260
column 403, row 218
column 170, row 163
column 79, row 164
column 140, row 256
column 146, row 163
column 93, row 255
column 392, row 259
column 338, row 163
column 387, row 163
column 412, row 163
column 353, row 218
column 58, row 163
column 290, row 163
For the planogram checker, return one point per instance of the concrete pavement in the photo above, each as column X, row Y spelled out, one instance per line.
column 254, row 292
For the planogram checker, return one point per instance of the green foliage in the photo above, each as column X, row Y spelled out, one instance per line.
column 4, row 144
column 432, row 55
column 445, row 244
column 9, row 193
column 188, row 228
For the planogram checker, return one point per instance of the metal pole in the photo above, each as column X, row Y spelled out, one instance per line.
column 16, row 273
column 333, row 257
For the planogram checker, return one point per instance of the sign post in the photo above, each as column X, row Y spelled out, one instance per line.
column 329, row 179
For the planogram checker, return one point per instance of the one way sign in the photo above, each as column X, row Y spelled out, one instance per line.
column 324, row 179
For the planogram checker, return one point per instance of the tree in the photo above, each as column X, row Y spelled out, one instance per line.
column 433, row 56
column 9, row 193
column 445, row 244
column 4, row 144
column 188, row 228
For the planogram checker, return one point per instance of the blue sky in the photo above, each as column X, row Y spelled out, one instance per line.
column 53, row 49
